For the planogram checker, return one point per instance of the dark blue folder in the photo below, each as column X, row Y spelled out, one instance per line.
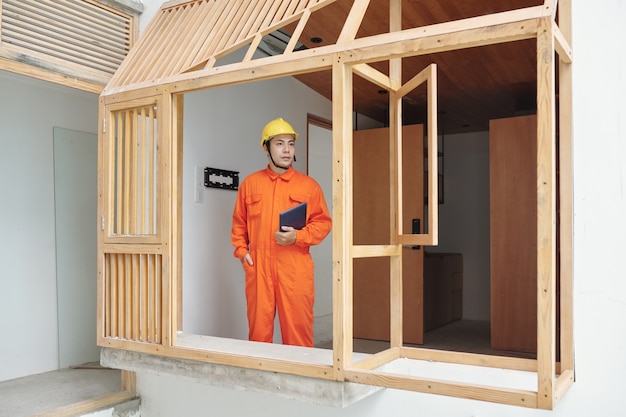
column 294, row 217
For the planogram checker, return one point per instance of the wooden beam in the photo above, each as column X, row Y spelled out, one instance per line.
column 464, row 358
column 566, row 198
column 395, row 184
column 433, row 158
column 378, row 359
column 88, row 406
column 342, row 216
column 9, row 63
column 563, row 382
column 451, row 389
column 374, row 76
column 298, row 31
column 353, row 21
column 372, row 251
column 562, row 46
column 129, row 382
column 546, row 216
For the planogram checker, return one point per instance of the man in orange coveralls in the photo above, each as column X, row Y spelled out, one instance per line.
column 277, row 263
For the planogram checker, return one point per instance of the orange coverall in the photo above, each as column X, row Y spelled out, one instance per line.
column 281, row 276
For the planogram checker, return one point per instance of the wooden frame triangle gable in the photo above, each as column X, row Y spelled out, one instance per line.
column 186, row 36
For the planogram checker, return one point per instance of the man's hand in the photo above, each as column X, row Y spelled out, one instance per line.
column 247, row 258
column 286, row 237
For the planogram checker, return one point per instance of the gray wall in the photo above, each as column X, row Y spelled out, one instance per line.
column 29, row 110
column 464, row 216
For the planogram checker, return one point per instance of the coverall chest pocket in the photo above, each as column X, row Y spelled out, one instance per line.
column 296, row 199
column 253, row 205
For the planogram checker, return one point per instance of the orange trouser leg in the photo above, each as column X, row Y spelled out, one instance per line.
column 261, row 304
column 295, row 296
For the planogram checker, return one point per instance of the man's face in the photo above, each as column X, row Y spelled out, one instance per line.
column 283, row 149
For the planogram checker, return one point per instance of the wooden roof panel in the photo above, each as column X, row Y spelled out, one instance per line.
column 191, row 35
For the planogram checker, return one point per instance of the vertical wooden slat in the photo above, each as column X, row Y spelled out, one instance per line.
column 150, row 298
column 142, row 167
column 158, row 296
column 134, row 310
column 152, row 170
column 128, row 292
column 115, row 296
column 125, row 191
column 132, row 165
column 546, row 215
column 116, row 179
column 109, row 294
column 121, row 267
column 143, row 301
column 342, row 217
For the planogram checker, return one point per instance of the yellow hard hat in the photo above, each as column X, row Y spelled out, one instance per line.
column 277, row 127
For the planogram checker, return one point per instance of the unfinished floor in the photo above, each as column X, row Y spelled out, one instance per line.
column 40, row 393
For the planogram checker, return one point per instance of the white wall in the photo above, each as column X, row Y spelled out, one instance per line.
column 599, row 242
column 29, row 110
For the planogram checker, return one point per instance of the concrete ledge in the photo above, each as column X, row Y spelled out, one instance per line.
column 309, row 390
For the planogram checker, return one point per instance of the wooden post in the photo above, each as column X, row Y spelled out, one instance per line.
column 546, row 216
column 342, row 216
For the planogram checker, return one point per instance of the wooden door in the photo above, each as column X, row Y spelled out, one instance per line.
column 513, row 232
column 371, row 226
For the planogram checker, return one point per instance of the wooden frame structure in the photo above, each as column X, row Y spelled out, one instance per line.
column 140, row 139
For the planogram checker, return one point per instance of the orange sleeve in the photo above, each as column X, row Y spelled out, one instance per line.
column 319, row 221
column 239, row 231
